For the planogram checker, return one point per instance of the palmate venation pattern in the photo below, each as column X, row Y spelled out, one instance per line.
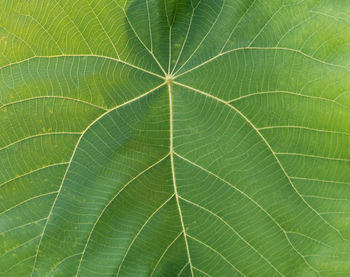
column 174, row 138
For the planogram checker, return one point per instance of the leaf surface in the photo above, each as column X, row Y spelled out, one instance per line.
column 174, row 138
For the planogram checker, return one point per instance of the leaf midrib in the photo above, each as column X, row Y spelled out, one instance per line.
column 174, row 176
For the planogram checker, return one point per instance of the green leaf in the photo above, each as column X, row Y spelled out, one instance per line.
column 175, row 138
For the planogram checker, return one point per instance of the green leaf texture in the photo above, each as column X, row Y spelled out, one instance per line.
column 174, row 138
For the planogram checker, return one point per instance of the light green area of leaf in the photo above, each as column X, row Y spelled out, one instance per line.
column 175, row 138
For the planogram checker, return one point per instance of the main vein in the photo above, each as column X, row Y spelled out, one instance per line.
column 173, row 174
